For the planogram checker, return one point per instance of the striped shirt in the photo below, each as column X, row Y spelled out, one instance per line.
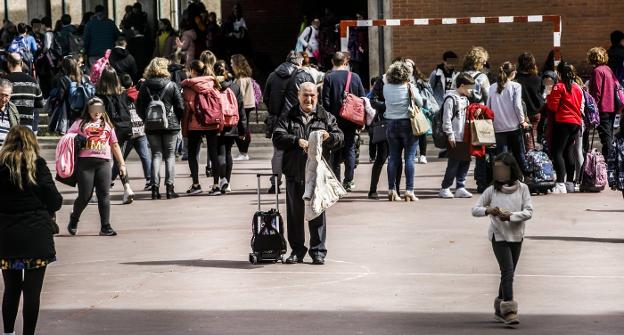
column 27, row 97
column 5, row 125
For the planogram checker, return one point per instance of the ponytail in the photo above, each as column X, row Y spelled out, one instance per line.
column 503, row 75
column 199, row 67
column 567, row 72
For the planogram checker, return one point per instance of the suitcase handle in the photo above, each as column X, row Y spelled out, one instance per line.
column 259, row 175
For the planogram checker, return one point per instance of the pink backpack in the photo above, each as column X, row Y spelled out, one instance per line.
column 229, row 106
column 98, row 67
column 594, row 172
column 65, row 154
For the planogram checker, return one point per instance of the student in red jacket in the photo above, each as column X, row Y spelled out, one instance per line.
column 565, row 101
column 602, row 89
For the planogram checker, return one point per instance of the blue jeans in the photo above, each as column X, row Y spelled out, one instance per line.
column 163, row 148
column 457, row 171
column 401, row 140
column 513, row 142
column 141, row 147
column 346, row 153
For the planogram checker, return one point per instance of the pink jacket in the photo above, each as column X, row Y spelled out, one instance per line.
column 602, row 88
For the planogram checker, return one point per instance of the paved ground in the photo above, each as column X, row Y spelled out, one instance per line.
column 180, row 266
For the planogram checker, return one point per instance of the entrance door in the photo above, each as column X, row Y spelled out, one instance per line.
column 89, row 5
column 38, row 9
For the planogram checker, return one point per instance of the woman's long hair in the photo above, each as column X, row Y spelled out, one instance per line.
column 109, row 82
column 70, row 68
column 168, row 27
column 19, row 154
column 503, row 75
column 527, row 64
column 567, row 74
column 240, row 66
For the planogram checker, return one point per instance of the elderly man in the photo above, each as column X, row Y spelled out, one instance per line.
column 290, row 135
column 9, row 116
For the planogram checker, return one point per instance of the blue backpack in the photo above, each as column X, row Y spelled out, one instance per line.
column 592, row 115
column 79, row 95
column 20, row 46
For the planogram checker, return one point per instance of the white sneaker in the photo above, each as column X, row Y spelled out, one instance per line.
column 446, row 193
column 228, row 188
column 462, row 193
column 241, row 157
column 422, row 159
column 223, row 185
column 128, row 196
column 559, row 188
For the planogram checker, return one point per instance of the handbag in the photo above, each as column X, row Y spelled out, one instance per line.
column 420, row 124
column 352, row 109
column 482, row 132
column 379, row 132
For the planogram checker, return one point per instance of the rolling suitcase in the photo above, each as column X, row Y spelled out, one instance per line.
column 541, row 174
column 267, row 237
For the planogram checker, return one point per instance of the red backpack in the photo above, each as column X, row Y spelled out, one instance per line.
column 208, row 109
column 229, row 106
column 352, row 109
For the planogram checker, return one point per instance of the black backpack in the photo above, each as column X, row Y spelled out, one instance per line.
column 440, row 138
column 118, row 112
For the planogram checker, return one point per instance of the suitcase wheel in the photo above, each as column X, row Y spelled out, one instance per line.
column 253, row 259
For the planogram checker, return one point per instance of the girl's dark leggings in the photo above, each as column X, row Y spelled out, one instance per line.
column 92, row 172
column 16, row 283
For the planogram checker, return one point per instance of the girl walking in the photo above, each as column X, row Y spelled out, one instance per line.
column 508, row 204
column 94, row 165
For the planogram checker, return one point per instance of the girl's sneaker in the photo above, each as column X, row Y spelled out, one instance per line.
column 194, row 189
column 422, row 159
column 446, row 193
column 559, row 188
column 215, row 190
column 462, row 193
column 223, row 185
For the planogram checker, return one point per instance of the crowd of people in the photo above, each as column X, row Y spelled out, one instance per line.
column 111, row 95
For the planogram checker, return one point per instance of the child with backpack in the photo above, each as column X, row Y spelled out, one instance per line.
column 615, row 162
column 26, row 46
column 109, row 90
column 454, row 110
column 508, row 204
column 93, row 168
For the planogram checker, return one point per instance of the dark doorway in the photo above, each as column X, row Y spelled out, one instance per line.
column 38, row 9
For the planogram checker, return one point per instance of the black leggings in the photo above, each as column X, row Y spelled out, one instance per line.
column 92, row 172
column 16, row 283
column 507, row 254
column 564, row 135
column 225, row 158
column 243, row 145
column 194, row 145
column 422, row 145
column 380, row 160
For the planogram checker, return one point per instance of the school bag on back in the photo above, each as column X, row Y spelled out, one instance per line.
column 98, row 67
column 117, row 110
column 440, row 138
column 156, row 117
column 78, row 96
column 76, row 44
column 208, row 110
column 430, row 104
column 229, row 106
column 19, row 45
column 592, row 114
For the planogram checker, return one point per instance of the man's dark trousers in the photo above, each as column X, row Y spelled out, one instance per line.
column 295, row 223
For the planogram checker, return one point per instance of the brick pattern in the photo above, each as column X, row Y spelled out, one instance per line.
column 585, row 25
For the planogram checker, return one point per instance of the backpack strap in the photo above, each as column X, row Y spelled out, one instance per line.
column 164, row 91
column 455, row 106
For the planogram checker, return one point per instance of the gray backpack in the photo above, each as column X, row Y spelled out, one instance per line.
column 157, row 115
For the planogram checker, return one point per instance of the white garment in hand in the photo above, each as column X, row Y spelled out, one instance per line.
column 322, row 188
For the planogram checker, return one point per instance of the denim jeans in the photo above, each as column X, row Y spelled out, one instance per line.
column 141, row 146
column 163, row 147
column 513, row 142
column 507, row 255
column 401, row 140
column 457, row 171
column 346, row 153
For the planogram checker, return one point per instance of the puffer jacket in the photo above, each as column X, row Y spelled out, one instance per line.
column 172, row 100
column 322, row 188
column 290, row 129
column 242, row 116
column 615, row 164
column 26, row 225
column 190, row 89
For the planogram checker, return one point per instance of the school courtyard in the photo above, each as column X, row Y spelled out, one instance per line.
column 181, row 266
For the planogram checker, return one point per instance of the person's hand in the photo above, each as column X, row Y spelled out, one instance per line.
column 506, row 216
column 303, row 144
column 525, row 125
column 493, row 211
column 122, row 170
column 325, row 135
column 452, row 144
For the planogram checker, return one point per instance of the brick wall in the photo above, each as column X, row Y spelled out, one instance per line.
column 585, row 24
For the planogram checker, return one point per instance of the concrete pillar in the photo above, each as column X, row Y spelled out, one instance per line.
column 373, row 38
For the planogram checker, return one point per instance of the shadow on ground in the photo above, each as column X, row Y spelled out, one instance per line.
column 144, row 322
column 575, row 239
column 202, row 263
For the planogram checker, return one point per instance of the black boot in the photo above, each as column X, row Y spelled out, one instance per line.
column 171, row 193
column 72, row 227
column 155, row 192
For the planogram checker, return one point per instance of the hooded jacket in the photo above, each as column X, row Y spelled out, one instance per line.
column 172, row 100
column 124, row 63
column 275, row 92
column 26, row 226
column 566, row 105
column 291, row 128
column 190, row 89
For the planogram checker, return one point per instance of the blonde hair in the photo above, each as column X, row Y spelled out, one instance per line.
column 157, row 68
column 19, row 152
column 597, row 56
column 209, row 59
column 475, row 59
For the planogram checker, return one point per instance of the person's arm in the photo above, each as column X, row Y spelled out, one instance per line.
column 242, row 116
column 49, row 194
column 336, row 136
column 141, row 102
column 517, row 103
column 527, row 208
column 595, row 86
column 415, row 94
column 304, row 35
column 485, row 86
column 326, row 94
column 177, row 102
column 360, row 87
column 281, row 138
column 482, row 208
column 554, row 98
column 117, row 154
column 38, row 99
